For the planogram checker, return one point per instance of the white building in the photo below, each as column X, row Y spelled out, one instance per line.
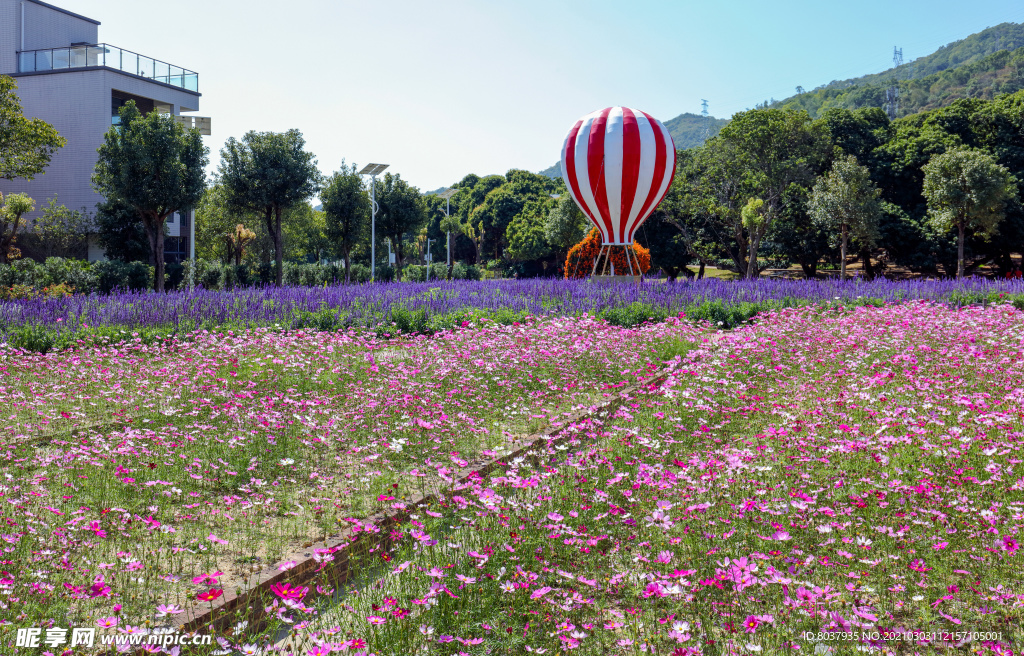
column 69, row 79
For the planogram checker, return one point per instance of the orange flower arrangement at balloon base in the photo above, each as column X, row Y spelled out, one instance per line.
column 580, row 260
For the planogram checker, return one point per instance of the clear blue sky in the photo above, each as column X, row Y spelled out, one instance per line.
column 443, row 88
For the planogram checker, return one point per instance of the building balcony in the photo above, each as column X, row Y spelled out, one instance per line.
column 108, row 56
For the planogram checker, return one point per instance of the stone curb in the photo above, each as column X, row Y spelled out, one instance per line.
column 349, row 543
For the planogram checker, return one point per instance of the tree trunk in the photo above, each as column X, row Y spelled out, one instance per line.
column 960, row 254
column 869, row 271
column 810, row 269
column 398, row 261
column 700, row 271
column 752, row 271
column 278, row 248
column 348, row 274
column 842, row 255
column 156, row 243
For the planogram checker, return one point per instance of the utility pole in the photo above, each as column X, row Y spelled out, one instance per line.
column 707, row 120
column 892, row 94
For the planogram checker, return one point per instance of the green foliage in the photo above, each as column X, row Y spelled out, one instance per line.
column 967, row 190
column 402, row 211
column 527, row 235
column 153, row 166
column 121, row 233
column 565, row 226
column 846, row 202
column 983, row 65
column 267, row 173
column 770, row 152
column 112, row 275
column 57, row 232
column 634, row 314
column 26, row 145
column 346, row 207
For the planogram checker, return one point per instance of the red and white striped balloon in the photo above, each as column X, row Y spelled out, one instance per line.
column 618, row 164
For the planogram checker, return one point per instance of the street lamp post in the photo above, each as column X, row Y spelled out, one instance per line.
column 428, row 259
column 373, row 170
column 446, row 195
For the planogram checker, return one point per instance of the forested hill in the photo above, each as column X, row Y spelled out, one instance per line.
column 687, row 131
column 983, row 65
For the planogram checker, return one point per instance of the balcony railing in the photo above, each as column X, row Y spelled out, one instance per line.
column 102, row 54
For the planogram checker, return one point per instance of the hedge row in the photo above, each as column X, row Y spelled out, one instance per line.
column 103, row 277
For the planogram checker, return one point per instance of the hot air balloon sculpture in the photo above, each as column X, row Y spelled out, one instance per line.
column 618, row 164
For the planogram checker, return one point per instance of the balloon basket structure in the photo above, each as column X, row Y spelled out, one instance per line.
column 604, row 269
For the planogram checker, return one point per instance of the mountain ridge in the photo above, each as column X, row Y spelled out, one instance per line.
column 981, row 65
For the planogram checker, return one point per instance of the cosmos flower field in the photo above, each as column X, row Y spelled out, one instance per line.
column 823, row 479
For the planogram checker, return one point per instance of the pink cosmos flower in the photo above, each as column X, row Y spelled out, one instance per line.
column 209, row 595
column 207, row 579
column 99, row 589
column 286, row 591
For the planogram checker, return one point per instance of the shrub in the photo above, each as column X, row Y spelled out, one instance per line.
column 111, row 275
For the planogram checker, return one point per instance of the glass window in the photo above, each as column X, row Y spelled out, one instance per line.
column 26, row 62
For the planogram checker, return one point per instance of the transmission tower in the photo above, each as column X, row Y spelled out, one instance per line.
column 707, row 120
column 892, row 94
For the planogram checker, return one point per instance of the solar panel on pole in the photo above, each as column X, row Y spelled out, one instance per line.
column 373, row 170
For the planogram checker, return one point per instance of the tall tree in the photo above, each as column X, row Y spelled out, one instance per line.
column 966, row 190
column 777, row 149
column 26, row 144
column 154, row 166
column 846, row 202
column 14, row 207
column 346, row 211
column 268, row 172
column 401, row 212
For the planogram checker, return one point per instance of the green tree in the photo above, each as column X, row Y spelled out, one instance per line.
column 846, row 201
column 776, row 150
column 346, row 210
column 966, row 190
column 268, row 172
column 214, row 219
column 26, row 144
column 15, row 206
column 154, row 166
column 60, row 232
column 701, row 207
column 401, row 212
